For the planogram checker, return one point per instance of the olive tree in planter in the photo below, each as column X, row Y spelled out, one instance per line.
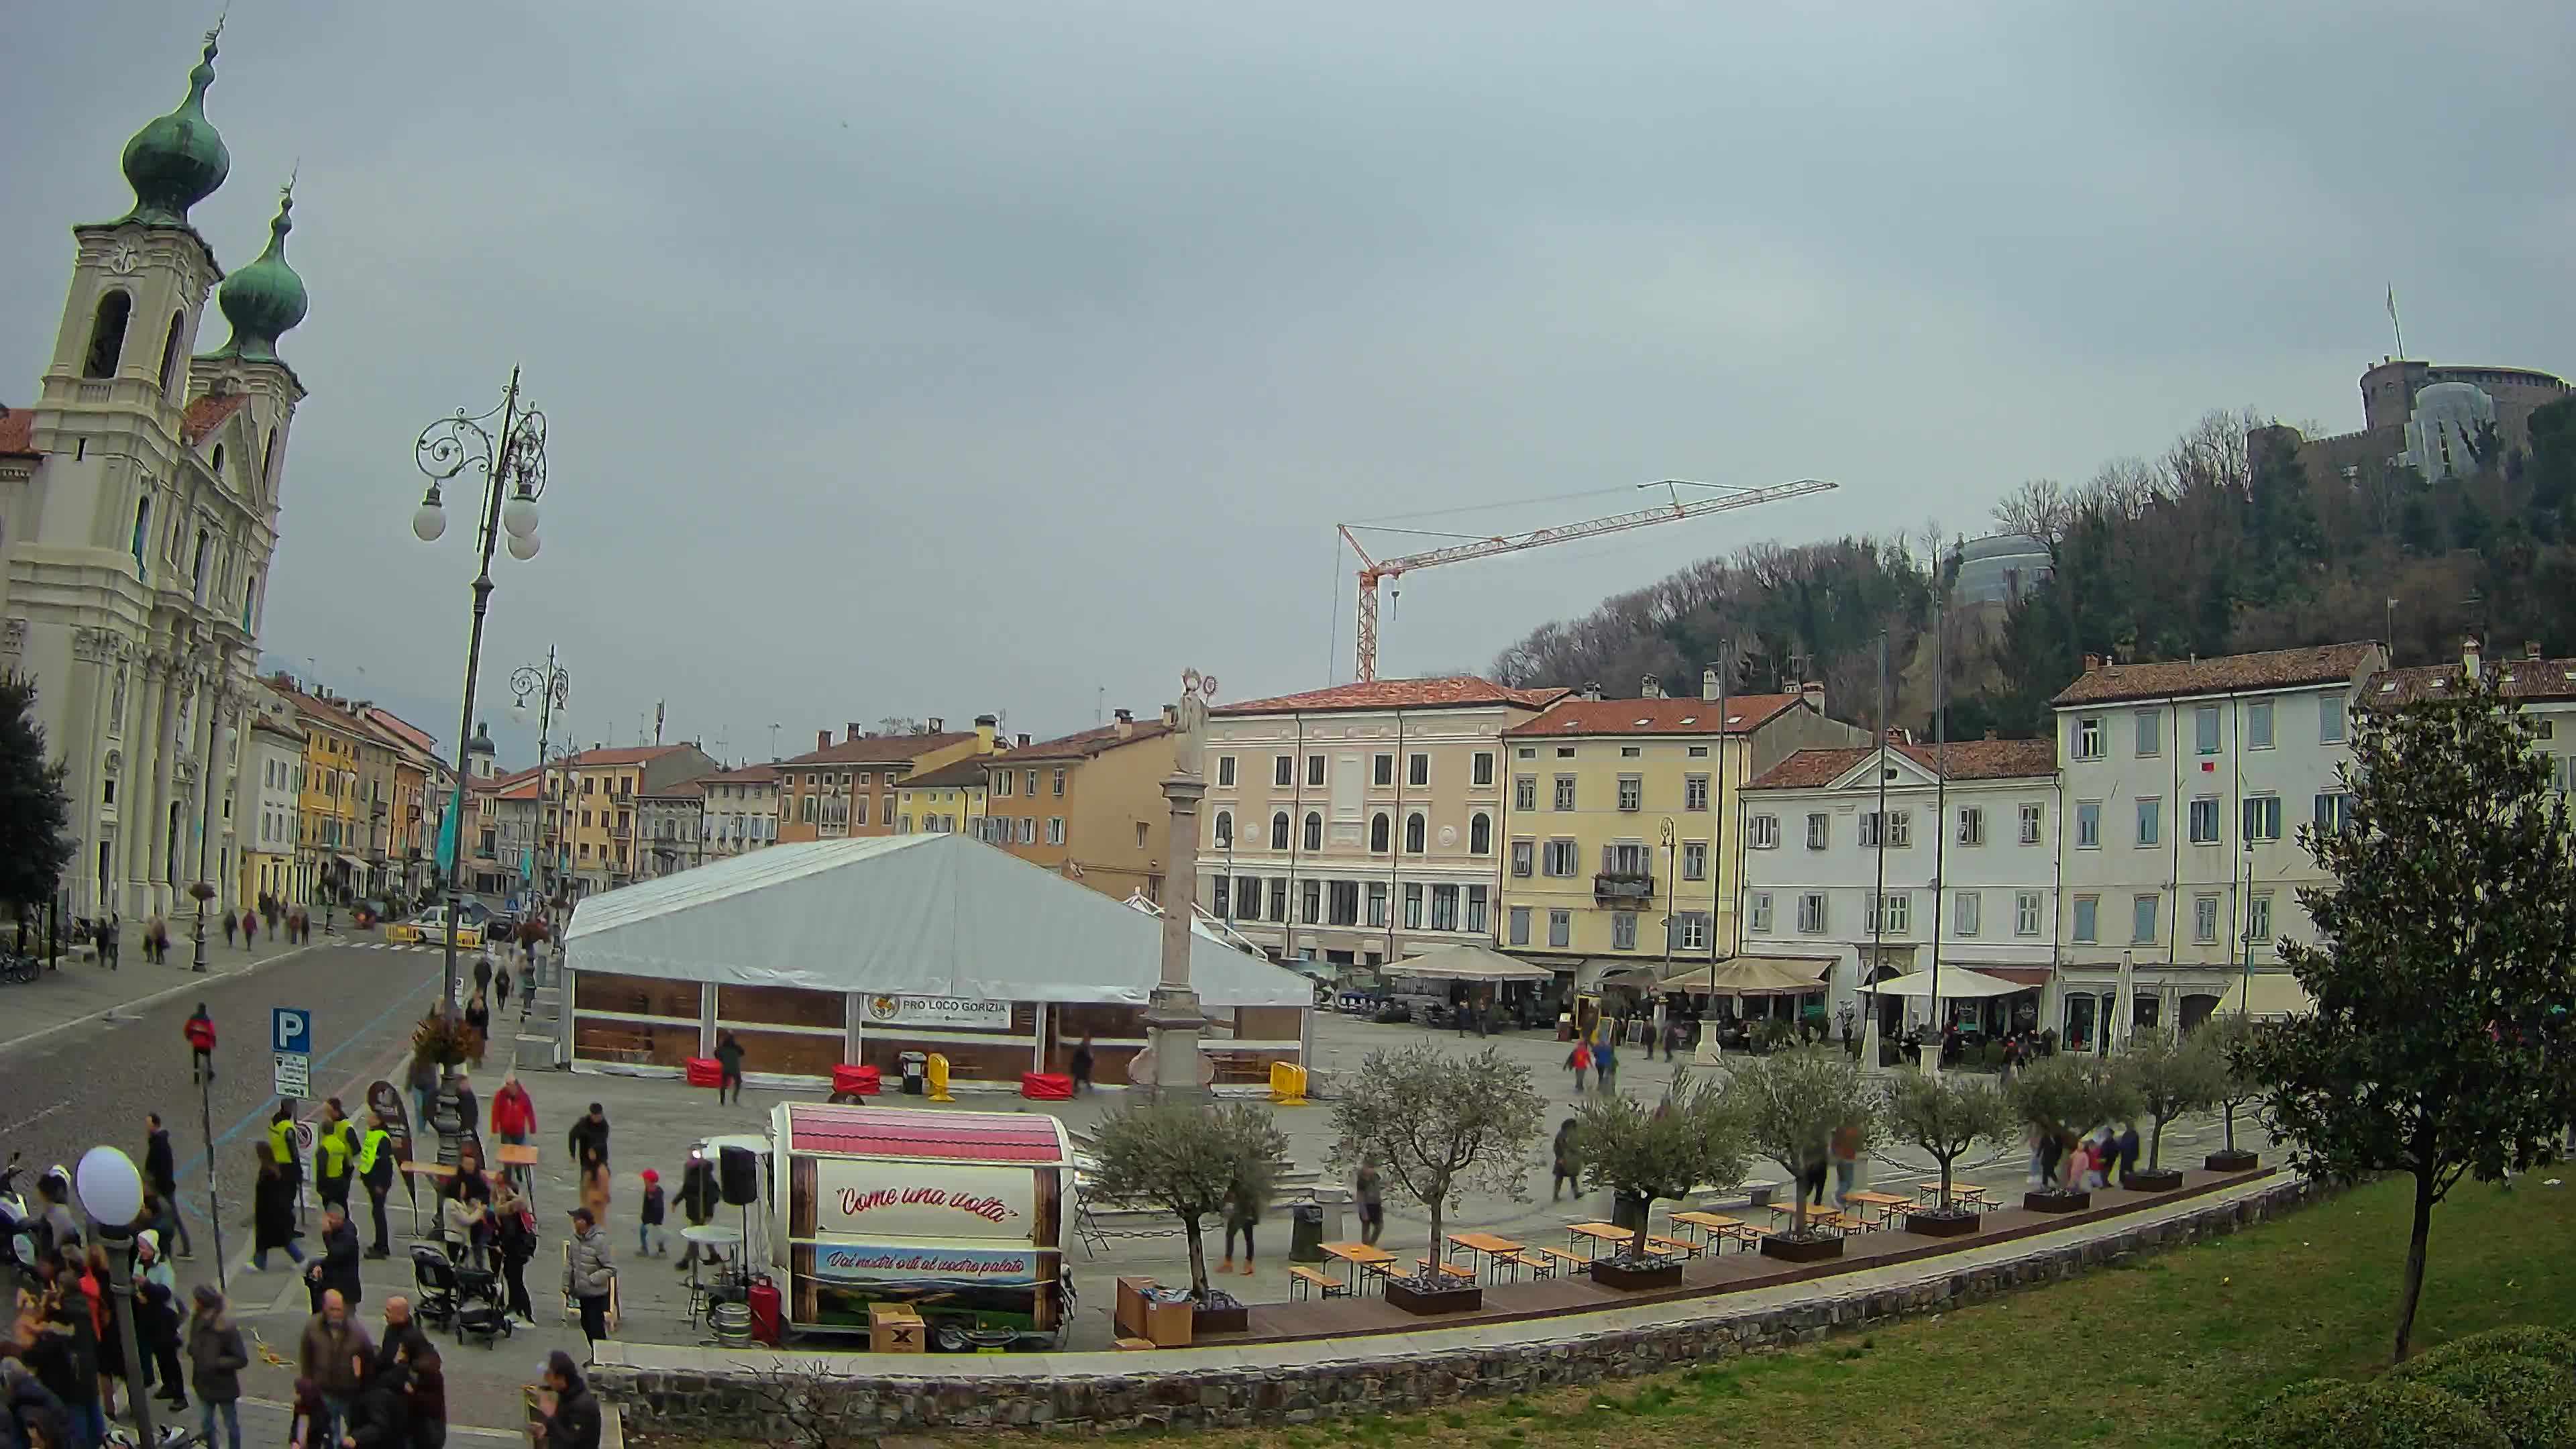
column 2058, row 1097
column 1945, row 1115
column 1439, row 1125
column 1792, row 1103
column 2232, row 1037
column 1694, row 1138
column 1185, row 1160
column 2168, row 1078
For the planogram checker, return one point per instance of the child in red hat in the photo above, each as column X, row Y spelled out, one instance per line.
column 649, row 1239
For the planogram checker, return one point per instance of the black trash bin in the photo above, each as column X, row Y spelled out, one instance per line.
column 1627, row 1210
column 1306, row 1233
column 916, row 1073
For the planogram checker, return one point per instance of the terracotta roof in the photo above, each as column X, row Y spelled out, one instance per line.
column 278, row 727
column 1457, row 691
column 877, row 750
column 2514, row 678
column 621, row 755
column 747, row 775
column 1967, row 760
column 208, row 413
column 1654, row 716
column 2273, row 669
column 956, row 774
column 1084, row 744
column 316, row 708
column 18, row 433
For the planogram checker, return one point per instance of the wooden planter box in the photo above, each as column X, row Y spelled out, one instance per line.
column 1641, row 1273
column 1956, row 1223
column 1227, row 1318
column 2237, row 1161
column 1815, row 1248
column 2162, row 1179
column 1425, row 1301
column 2056, row 1202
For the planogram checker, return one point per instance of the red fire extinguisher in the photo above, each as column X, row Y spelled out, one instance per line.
column 765, row 1324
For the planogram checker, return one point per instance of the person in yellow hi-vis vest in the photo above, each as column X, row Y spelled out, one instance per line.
column 332, row 1149
column 376, row 1170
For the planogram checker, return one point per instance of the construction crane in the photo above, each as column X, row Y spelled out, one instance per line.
column 1373, row 570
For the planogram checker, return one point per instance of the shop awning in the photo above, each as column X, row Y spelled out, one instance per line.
column 1958, row 983
column 2275, row 993
column 941, row 916
column 1753, row 976
column 2028, row 978
column 352, row 862
column 1466, row 963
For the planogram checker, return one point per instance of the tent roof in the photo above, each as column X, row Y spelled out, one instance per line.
column 1753, row 976
column 2275, row 993
column 1467, row 962
column 1958, row 983
column 910, row 915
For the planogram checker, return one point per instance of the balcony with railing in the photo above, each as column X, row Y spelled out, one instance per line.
column 1623, row 886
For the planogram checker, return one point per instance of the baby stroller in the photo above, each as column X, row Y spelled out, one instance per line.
column 480, row 1314
column 434, row 1279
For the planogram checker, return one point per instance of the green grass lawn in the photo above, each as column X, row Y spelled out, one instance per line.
column 2166, row 1351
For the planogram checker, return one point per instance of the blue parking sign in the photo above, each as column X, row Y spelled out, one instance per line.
column 290, row 1029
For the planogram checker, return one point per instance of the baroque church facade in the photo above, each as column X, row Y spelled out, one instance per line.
column 139, row 503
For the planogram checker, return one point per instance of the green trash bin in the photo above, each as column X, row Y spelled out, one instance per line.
column 1306, row 1233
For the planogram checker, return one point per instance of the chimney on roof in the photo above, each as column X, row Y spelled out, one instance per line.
column 1124, row 721
column 822, row 739
column 2530, row 648
column 1813, row 692
column 852, row 731
column 1023, row 739
column 938, row 726
column 1591, row 690
column 1708, row 683
column 2469, row 656
column 1650, row 687
column 2092, row 662
column 985, row 727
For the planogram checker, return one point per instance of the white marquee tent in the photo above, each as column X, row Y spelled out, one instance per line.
column 907, row 915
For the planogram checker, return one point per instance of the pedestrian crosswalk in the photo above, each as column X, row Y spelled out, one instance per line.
column 394, row 946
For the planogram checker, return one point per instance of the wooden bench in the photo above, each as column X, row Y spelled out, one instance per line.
column 1540, row 1261
column 1447, row 1270
column 1843, row 1223
column 1672, row 1247
column 1752, row 1234
column 1304, row 1281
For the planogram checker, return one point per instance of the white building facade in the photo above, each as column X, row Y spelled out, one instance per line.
column 741, row 810
column 1960, row 868
column 2185, row 784
column 266, row 811
column 138, row 516
column 1360, row 824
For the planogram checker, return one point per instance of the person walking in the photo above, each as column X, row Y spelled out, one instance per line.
column 281, row 1141
column 698, row 1198
column 1568, row 1168
column 1845, row 1148
column 568, row 1417
column 650, row 1240
column 1242, row 1214
column 1661, row 1031
column 426, row 1398
column 329, row 1353
column 232, row 923
column 1579, row 1061
column 272, row 1215
column 501, row 993
column 515, row 1241
column 2128, row 1151
column 728, row 1067
column 200, row 1032
column 216, row 1358
column 589, row 1276
column 482, row 972
column 594, row 1185
column 1081, row 1065
column 156, row 1321
column 249, row 929
column 421, row 1080
column 1605, row 1065
column 1372, row 1200
column 110, row 938
column 591, row 1130
column 514, row 1117
column 336, row 1270
column 163, row 1175
column 478, row 1018
column 376, row 1170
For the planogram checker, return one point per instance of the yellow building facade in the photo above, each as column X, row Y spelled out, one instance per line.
column 949, row 800
column 331, row 839
column 1089, row 806
column 1619, row 822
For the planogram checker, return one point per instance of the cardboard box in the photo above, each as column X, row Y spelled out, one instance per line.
column 895, row 1328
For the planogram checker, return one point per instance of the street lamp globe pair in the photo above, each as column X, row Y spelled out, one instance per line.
column 518, row 520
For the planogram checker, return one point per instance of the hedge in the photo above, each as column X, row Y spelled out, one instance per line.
column 2382, row 1414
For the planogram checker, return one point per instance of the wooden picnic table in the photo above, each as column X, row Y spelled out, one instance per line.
column 1888, row 1204
column 1363, row 1259
column 1593, row 1235
column 518, row 1162
column 437, row 1172
column 1712, row 1226
column 1489, row 1245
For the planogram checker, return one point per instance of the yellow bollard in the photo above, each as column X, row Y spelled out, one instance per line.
column 937, row 1070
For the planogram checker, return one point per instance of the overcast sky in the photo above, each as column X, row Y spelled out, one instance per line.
column 934, row 358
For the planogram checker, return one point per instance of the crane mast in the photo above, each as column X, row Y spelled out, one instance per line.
column 1375, row 570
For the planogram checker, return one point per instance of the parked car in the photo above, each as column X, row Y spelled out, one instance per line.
column 429, row 928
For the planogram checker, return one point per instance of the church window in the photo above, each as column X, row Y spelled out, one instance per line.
column 268, row 461
column 170, row 351
column 197, row 575
column 142, row 523
column 107, row 335
column 216, row 465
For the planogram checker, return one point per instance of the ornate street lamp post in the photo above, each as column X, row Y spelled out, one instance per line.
column 111, row 1192
column 513, row 465
column 550, row 687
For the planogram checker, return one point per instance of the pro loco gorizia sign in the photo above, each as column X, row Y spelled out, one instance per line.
column 880, row 1263
column 954, row 1013
column 879, row 1200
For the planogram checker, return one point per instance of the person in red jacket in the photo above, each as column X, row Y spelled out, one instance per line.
column 201, row 1039
column 514, row 1116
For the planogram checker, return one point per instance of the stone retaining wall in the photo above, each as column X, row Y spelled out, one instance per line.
column 746, row 1403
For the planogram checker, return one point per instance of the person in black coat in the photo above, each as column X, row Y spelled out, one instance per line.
column 571, row 1415
column 337, row 1268
column 272, row 1212
column 382, row 1418
column 589, row 1131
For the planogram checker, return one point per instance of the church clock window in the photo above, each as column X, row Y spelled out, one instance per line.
column 170, row 351
column 107, row 335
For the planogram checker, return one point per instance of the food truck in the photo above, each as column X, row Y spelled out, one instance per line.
column 958, row 1215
